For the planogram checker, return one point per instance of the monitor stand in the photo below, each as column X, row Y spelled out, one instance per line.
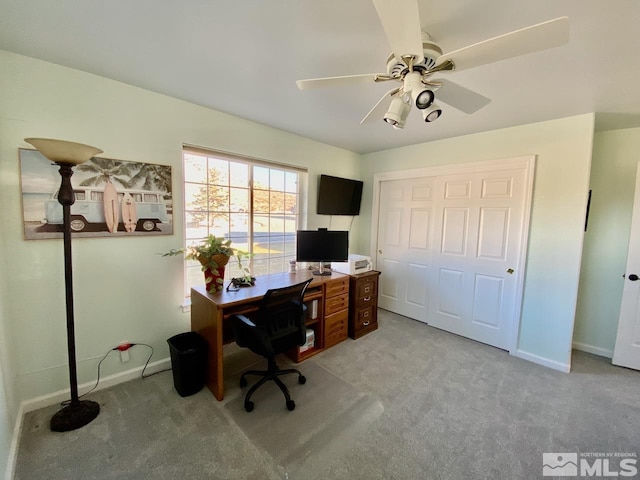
column 322, row 271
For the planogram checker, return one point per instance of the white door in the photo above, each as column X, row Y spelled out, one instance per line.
column 627, row 350
column 451, row 250
column 405, row 246
column 480, row 226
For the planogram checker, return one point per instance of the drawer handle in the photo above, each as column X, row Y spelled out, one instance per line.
column 366, row 324
column 366, row 299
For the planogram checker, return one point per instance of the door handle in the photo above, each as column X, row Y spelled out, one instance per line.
column 633, row 277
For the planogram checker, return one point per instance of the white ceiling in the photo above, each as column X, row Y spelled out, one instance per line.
column 244, row 56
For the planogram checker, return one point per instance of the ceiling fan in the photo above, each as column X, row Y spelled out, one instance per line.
column 415, row 59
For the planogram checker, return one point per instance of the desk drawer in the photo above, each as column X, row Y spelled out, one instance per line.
column 335, row 328
column 335, row 304
column 337, row 287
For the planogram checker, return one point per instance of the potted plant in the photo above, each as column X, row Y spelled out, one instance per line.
column 213, row 253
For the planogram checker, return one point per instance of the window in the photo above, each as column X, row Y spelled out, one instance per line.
column 253, row 203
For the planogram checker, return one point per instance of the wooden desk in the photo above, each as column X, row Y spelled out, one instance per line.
column 209, row 313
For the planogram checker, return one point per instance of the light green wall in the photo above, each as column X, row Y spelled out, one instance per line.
column 613, row 174
column 563, row 150
column 123, row 290
column 8, row 398
column 6, row 420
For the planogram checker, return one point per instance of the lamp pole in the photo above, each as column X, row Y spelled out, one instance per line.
column 66, row 198
column 77, row 413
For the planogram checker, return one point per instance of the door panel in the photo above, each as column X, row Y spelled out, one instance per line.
column 451, row 288
column 492, row 235
column 419, row 235
column 487, row 298
column 454, row 231
column 389, row 289
column 416, row 278
column 393, row 231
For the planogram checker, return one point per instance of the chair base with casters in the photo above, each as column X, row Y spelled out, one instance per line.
column 278, row 325
column 272, row 373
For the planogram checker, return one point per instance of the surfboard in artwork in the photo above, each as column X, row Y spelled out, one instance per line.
column 129, row 214
column 111, row 210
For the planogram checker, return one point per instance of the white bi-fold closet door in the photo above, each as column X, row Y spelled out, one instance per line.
column 451, row 246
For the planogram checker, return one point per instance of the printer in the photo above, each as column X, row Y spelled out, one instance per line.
column 354, row 265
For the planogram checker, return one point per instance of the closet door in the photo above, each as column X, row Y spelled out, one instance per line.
column 477, row 261
column 405, row 246
column 450, row 248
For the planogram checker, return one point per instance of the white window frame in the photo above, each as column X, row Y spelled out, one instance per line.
column 251, row 162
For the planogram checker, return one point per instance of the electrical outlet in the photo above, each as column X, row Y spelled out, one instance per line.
column 124, row 351
column 124, row 356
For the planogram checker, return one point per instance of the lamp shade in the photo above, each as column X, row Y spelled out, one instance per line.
column 62, row 151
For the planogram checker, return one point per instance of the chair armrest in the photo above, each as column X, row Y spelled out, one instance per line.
column 243, row 329
column 245, row 320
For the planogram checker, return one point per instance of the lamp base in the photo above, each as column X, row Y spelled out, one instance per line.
column 74, row 416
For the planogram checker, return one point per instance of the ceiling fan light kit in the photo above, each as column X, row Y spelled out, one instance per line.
column 397, row 113
column 432, row 113
column 415, row 58
column 425, row 98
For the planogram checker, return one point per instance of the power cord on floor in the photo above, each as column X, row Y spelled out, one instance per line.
column 142, row 375
column 122, row 347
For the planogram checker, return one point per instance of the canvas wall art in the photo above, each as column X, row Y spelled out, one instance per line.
column 113, row 198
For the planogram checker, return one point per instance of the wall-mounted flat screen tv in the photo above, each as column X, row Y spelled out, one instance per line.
column 339, row 196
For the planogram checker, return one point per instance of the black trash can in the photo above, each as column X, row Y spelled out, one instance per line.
column 188, row 362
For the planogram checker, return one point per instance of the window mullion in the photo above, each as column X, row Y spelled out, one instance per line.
column 250, row 221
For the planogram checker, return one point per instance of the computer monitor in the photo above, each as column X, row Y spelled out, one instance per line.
column 322, row 245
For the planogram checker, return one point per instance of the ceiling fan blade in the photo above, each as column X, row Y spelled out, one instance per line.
column 380, row 108
column 338, row 81
column 459, row 97
column 401, row 23
column 542, row 36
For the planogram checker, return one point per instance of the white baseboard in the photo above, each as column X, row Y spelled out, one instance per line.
column 546, row 362
column 106, row 382
column 13, row 449
column 602, row 352
column 61, row 395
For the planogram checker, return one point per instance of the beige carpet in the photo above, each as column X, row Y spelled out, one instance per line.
column 330, row 416
column 453, row 409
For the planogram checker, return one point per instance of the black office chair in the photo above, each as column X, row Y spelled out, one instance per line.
column 278, row 326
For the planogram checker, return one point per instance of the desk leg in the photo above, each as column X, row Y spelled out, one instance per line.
column 206, row 319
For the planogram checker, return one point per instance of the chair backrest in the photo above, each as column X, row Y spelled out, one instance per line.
column 281, row 315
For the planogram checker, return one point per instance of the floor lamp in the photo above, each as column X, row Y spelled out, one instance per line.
column 66, row 155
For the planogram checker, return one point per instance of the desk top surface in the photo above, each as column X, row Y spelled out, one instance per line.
column 263, row 283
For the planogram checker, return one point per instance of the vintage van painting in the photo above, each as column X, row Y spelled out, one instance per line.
column 113, row 198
